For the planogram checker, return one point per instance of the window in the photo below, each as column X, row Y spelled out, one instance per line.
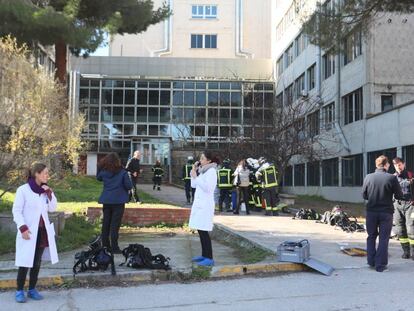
column 352, row 46
column 300, row 86
column 301, row 42
column 210, row 41
column 353, row 106
column 204, row 11
column 279, row 100
column 279, row 65
column 199, row 41
column 408, row 156
column 328, row 64
column 196, row 41
column 330, row 172
column 389, row 153
column 352, row 170
column 288, row 177
column 313, row 174
column 299, row 174
column 311, row 77
column 387, row 102
column 329, row 116
column 289, row 56
column 289, row 94
column 313, row 124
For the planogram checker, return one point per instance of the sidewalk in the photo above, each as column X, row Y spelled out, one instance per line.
column 168, row 194
column 325, row 240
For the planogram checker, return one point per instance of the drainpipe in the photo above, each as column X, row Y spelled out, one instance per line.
column 239, row 31
column 167, row 36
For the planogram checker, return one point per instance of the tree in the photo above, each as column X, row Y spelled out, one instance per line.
column 34, row 124
column 79, row 25
column 332, row 21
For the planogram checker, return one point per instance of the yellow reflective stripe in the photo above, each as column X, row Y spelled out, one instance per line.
column 404, row 240
column 411, row 242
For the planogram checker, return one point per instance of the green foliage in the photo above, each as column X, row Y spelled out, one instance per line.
column 200, row 273
column 7, row 242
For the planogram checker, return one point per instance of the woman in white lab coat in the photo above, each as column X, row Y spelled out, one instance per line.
column 35, row 234
column 204, row 180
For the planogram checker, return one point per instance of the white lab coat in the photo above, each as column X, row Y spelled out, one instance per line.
column 202, row 211
column 27, row 208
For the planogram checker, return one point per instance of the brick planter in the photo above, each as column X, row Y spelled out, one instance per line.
column 144, row 216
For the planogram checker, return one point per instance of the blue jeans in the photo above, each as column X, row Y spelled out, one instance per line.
column 379, row 224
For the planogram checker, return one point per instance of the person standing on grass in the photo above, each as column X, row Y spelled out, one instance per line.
column 134, row 169
column 35, row 234
column 202, row 210
column 116, row 185
column 378, row 189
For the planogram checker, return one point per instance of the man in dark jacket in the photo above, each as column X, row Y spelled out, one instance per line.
column 404, row 209
column 379, row 189
column 134, row 169
column 189, row 191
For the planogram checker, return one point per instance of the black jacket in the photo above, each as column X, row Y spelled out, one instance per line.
column 379, row 188
column 133, row 166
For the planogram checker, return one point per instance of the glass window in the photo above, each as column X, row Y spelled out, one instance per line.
column 210, row 41
column 353, row 106
column 106, row 114
column 311, row 77
column 188, row 98
column 142, row 129
column 386, row 102
column 177, row 114
column 106, row 97
column 330, row 172
column 154, row 85
column 129, row 129
column 313, row 173
column 236, row 99
column 189, row 115
column 153, row 130
column 164, row 114
column 84, row 82
column 212, row 115
column 118, row 97
column 224, row 99
column 153, row 114
column 164, row 130
column 129, row 114
column 258, row 100
column 200, row 85
column 224, row 131
column 200, row 131
column 178, row 84
column 313, row 124
column 142, row 98
column 200, row 115
column 288, row 177
column 93, row 129
column 84, row 97
column 235, row 116
column 119, row 83
column 329, row 115
column 129, row 83
column 200, row 98
column 352, row 170
column 107, row 83
column 248, row 100
column 225, row 116
column 93, row 114
column 142, row 114
column 178, row 98
column 165, row 85
column 213, row 131
column 299, row 171
column 268, row 100
column 189, row 85
column 129, row 97
column 165, row 98
column 143, row 84
column 225, row 85
column 213, row 85
column 213, row 99
column 153, row 98
column 196, row 41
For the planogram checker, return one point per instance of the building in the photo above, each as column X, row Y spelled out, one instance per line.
column 154, row 104
column 366, row 96
column 205, row 29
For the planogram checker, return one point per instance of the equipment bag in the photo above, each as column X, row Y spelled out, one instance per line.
column 308, row 213
column 138, row 256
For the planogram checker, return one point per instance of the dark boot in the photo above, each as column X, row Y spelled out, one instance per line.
column 406, row 251
column 275, row 213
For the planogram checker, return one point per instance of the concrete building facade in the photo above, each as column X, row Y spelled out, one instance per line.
column 205, row 29
column 366, row 96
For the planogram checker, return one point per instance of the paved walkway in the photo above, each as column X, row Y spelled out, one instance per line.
column 269, row 232
column 168, row 194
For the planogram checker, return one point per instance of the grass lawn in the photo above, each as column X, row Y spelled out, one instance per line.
column 321, row 205
column 76, row 193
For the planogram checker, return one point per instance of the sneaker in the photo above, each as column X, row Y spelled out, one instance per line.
column 34, row 294
column 197, row 259
column 207, row 262
column 20, row 298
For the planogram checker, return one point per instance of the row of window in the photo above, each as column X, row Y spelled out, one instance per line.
column 203, row 41
column 204, row 11
column 352, row 169
column 294, row 50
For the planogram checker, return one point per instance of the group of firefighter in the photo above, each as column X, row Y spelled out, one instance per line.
column 252, row 182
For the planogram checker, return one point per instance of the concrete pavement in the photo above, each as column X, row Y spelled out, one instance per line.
column 360, row 289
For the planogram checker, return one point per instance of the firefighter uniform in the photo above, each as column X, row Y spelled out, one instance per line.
column 158, row 173
column 269, row 188
column 404, row 214
column 224, row 183
column 189, row 191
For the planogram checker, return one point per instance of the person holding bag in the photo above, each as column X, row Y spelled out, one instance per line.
column 35, row 234
column 115, row 193
column 204, row 180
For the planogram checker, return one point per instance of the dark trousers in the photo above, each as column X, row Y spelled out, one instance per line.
column 157, row 182
column 34, row 271
column 189, row 191
column 206, row 248
column 379, row 224
column 243, row 192
column 134, row 190
column 271, row 199
column 112, row 216
column 403, row 221
column 225, row 197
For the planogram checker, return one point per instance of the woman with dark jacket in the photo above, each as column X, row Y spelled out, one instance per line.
column 116, row 184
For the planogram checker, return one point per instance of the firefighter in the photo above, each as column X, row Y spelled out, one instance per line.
column 404, row 209
column 266, row 174
column 255, row 186
column 224, row 183
column 158, row 173
column 189, row 191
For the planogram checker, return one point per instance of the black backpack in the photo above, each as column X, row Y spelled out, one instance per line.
column 96, row 257
column 309, row 214
column 138, row 256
